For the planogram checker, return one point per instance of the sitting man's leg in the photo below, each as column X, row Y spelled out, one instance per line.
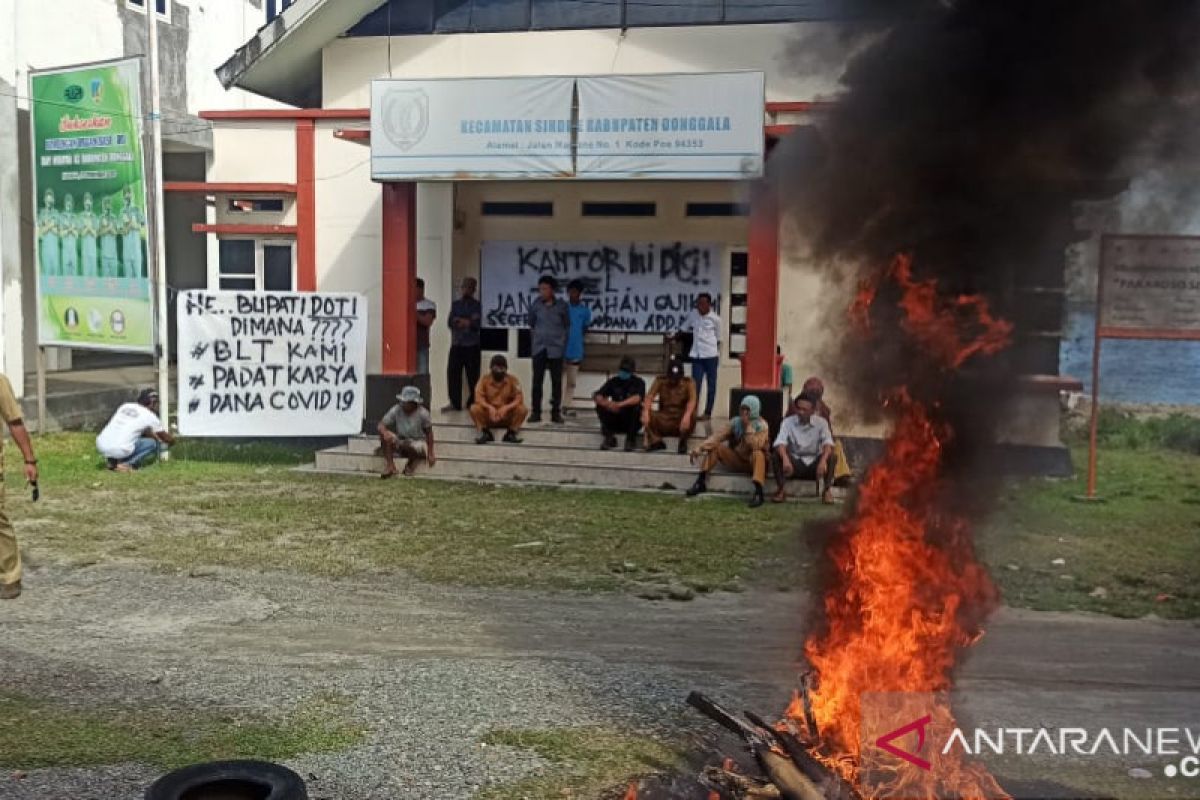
column 388, row 442
column 630, row 421
column 711, row 459
column 483, row 423
column 660, row 425
column 685, row 434
column 513, row 423
column 145, row 448
column 755, row 465
column 610, row 423
column 782, row 470
column 412, row 450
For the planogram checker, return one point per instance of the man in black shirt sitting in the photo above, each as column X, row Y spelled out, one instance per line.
column 618, row 404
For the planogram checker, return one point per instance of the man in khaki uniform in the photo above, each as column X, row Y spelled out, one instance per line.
column 499, row 403
column 676, row 414
column 10, row 555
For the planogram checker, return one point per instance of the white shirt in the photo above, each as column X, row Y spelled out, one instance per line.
column 119, row 436
column 804, row 442
column 706, row 334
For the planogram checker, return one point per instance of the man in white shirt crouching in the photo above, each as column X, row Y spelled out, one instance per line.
column 131, row 438
column 804, row 449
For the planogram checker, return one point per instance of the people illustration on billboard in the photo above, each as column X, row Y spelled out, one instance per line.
column 133, row 222
column 110, row 261
column 48, row 234
column 69, row 232
column 88, row 227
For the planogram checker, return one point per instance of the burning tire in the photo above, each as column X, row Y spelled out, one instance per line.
column 229, row 780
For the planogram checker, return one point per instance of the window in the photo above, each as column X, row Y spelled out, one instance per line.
column 161, row 7
column 276, row 7
column 607, row 209
column 241, row 205
column 717, row 210
column 501, row 208
column 255, row 265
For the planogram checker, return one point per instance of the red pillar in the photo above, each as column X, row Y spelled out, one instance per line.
column 306, row 206
column 399, row 278
column 762, row 290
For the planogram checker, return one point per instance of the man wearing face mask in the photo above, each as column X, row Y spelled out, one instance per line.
column 804, row 449
column 499, row 403
column 618, row 404
column 741, row 446
column 676, row 414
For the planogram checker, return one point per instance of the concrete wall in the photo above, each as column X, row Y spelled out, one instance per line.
column 1131, row 371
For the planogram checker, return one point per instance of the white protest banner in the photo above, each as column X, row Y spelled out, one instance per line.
column 459, row 128
column 271, row 364
column 1150, row 287
column 646, row 287
column 686, row 126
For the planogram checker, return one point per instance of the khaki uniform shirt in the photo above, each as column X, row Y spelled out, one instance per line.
column 672, row 400
column 10, row 412
column 499, row 394
column 745, row 447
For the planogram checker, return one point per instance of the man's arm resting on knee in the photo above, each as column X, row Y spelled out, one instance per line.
column 785, row 460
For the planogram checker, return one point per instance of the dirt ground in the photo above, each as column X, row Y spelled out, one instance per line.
column 429, row 669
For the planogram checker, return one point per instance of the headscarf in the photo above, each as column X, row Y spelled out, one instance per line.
column 757, row 425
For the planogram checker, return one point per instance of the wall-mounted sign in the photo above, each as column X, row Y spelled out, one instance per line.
column 646, row 287
column 671, row 126
column 680, row 126
column 1150, row 287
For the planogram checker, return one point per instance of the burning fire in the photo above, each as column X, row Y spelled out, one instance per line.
column 907, row 593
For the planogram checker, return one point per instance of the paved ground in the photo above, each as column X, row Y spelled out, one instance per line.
column 430, row 669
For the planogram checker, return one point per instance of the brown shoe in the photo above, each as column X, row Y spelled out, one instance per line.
column 10, row 591
column 779, row 497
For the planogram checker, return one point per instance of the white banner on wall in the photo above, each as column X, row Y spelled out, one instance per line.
column 273, row 364
column 678, row 126
column 471, row 128
column 646, row 287
column 699, row 126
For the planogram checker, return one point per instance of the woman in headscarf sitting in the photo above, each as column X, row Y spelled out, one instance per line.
column 741, row 446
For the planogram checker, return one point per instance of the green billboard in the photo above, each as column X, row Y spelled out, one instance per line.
column 94, row 288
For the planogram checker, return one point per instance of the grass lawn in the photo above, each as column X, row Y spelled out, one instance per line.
column 38, row 734
column 218, row 504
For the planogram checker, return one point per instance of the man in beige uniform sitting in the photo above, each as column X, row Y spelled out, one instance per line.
column 10, row 554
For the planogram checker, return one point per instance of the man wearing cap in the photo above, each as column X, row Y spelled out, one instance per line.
column 618, row 404
column 10, row 554
column 406, row 429
column 499, row 403
column 676, row 414
column 131, row 438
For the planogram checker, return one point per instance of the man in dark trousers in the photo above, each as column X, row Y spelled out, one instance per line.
column 549, row 324
column 619, row 406
column 465, row 351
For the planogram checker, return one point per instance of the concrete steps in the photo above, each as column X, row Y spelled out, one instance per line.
column 550, row 454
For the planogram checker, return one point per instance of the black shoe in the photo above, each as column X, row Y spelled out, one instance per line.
column 682, row 449
column 656, row 446
column 630, row 442
column 535, row 417
column 512, row 438
column 484, row 437
column 699, row 487
column 757, row 500
column 557, row 418
column 609, row 442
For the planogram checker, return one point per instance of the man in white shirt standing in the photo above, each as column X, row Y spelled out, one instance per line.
column 705, row 326
column 804, row 449
column 133, row 434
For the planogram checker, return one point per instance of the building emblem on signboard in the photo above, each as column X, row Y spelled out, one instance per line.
column 405, row 117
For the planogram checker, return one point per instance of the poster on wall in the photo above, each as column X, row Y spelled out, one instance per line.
column 1150, row 287
column 458, row 129
column 271, row 364
column 643, row 287
column 686, row 126
column 93, row 281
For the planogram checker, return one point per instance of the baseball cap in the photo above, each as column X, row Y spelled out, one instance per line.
column 146, row 397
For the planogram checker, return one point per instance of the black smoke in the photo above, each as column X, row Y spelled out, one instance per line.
column 965, row 132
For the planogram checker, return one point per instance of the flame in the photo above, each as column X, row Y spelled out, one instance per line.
column 907, row 592
column 632, row 792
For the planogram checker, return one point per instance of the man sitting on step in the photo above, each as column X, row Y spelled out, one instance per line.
column 804, row 449
column 676, row 414
column 407, row 429
column 741, row 446
column 499, row 403
column 618, row 404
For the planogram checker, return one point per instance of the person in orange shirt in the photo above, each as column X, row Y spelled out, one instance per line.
column 499, row 403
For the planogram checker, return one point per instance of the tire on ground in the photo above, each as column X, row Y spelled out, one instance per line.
column 229, row 780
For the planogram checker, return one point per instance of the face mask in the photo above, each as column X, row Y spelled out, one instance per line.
column 498, row 375
column 624, row 374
